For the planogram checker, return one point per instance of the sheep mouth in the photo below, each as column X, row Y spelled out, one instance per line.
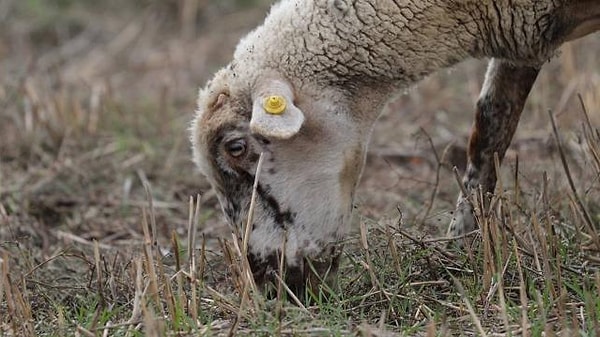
column 316, row 274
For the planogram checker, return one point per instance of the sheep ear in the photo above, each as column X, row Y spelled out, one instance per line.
column 274, row 114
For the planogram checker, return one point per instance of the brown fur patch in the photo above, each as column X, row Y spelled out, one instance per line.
column 218, row 101
column 353, row 163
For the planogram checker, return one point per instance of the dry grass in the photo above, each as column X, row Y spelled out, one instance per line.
column 101, row 232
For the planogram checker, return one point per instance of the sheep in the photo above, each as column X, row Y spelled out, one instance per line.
column 306, row 87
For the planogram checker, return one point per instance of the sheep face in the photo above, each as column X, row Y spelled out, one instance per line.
column 305, row 187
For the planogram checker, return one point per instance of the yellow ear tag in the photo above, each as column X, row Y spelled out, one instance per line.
column 274, row 104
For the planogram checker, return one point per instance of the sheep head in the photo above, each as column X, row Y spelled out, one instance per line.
column 313, row 154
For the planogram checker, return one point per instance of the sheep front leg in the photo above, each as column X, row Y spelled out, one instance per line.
column 499, row 107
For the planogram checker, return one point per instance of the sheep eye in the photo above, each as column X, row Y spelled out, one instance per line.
column 236, row 148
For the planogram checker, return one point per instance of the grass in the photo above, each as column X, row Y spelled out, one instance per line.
column 101, row 233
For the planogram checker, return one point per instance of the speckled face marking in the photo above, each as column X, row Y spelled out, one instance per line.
column 302, row 205
column 228, row 153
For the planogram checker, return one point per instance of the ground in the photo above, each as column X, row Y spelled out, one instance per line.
column 96, row 180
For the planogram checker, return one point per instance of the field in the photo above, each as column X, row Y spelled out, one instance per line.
column 101, row 233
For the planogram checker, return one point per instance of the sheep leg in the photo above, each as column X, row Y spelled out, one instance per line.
column 498, row 109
